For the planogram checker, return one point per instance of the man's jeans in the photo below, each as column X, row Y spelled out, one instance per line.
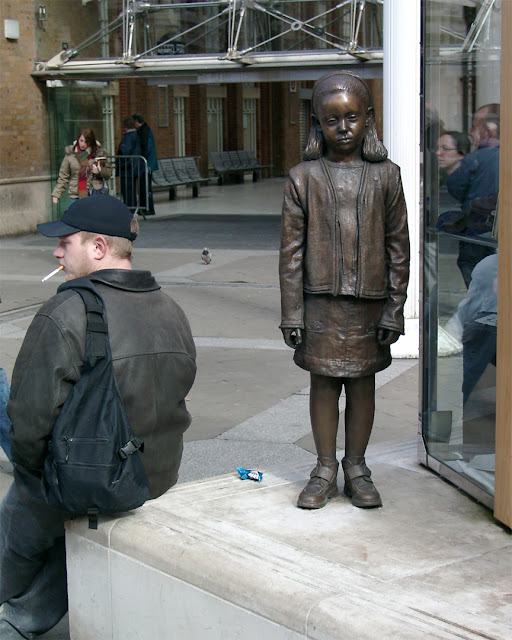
column 479, row 349
column 33, row 585
column 5, row 423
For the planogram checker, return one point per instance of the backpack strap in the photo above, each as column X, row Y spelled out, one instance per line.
column 93, row 515
column 96, row 328
column 97, row 344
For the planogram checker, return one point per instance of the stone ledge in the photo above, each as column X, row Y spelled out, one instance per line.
column 214, row 558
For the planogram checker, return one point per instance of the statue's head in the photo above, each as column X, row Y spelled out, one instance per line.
column 344, row 82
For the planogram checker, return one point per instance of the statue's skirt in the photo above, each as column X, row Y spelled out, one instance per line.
column 340, row 337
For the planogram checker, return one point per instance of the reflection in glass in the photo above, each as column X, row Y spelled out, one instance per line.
column 460, row 172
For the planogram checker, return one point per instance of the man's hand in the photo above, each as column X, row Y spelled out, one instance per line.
column 292, row 337
column 387, row 336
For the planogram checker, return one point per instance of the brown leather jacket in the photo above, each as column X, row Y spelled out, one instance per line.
column 70, row 168
column 311, row 258
column 154, row 360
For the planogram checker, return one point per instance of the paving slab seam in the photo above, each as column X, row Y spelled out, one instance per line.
column 167, row 283
column 20, row 313
column 241, row 343
column 289, row 411
column 452, row 563
column 422, row 621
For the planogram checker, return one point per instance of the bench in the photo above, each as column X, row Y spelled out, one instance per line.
column 177, row 172
column 236, row 163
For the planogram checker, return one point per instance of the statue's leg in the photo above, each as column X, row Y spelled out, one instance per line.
column 324, row 412
column 359, row 415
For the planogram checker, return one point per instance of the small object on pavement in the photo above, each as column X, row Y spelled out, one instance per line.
column 248, row 474
column 206, row 256
column 52, row 273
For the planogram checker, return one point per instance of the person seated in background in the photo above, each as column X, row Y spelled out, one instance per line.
column 475, row 185
column 452, row 146
column 477, row 314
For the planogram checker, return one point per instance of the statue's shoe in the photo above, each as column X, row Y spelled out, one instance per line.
column 359, row 486
column 321, row 486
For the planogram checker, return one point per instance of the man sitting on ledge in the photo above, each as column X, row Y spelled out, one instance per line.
column 154, row 361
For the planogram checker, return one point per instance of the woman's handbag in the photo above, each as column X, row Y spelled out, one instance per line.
column 99, row 192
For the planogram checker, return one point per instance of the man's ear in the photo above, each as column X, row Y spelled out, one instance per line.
column 369, row 116
column 100, row 247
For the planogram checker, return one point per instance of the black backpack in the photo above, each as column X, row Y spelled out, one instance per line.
column 94, row 460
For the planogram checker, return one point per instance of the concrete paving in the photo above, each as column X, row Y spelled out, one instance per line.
column 250, row 402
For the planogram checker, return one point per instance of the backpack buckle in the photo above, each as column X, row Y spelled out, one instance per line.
column 135, row 444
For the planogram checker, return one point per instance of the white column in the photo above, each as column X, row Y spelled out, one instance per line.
column 402, row 67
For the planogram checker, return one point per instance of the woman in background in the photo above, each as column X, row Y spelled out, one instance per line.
column 84, row 165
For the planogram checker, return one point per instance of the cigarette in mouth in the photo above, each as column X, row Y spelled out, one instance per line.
column 52, row 273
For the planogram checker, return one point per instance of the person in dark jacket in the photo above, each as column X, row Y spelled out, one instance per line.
column 344, row 269
column 155, row 368
column 147, row 141
column 475, row 184
column 129, row 166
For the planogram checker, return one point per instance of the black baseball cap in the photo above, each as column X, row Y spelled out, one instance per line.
column 98, row 214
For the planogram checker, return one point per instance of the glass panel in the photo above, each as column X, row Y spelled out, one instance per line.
column 179, row 126
column 460, row 171
column 249, row 123
column 72, row 108
column 214, row 122
column 215, row 26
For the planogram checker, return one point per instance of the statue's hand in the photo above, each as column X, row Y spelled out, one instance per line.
column 292, row 337
column 387, row 336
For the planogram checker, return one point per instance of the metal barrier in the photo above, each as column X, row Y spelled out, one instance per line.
column 130, row 182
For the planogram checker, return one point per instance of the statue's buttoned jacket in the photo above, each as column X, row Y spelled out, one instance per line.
column 312, row 255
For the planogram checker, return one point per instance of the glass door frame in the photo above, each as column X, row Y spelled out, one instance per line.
column 501, row 502
column 503, row 486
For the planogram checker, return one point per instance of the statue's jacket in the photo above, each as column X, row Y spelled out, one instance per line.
column 312, row 253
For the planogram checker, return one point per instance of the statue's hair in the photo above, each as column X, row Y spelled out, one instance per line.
column 373, row 150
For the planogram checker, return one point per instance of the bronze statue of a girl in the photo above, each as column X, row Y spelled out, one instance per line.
column 344, row 269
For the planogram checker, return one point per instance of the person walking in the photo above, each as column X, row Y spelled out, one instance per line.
column 155, row 368
column 85, row 165
column 147, row 141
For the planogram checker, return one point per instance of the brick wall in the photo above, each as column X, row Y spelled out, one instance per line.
column 24, row 131
column 68, row 22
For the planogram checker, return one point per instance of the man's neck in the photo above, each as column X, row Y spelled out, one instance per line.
column 114, row 263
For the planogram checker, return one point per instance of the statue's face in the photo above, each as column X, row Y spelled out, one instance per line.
column 343, row 117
